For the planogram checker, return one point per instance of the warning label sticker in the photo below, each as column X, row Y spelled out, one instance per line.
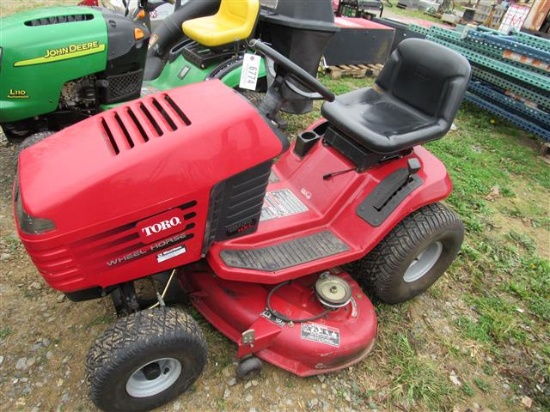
column 270, row 316
column 281, row 203
column 172, row 253
column 316, row 332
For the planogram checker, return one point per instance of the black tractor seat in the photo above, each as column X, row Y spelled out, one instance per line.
column 414, row 99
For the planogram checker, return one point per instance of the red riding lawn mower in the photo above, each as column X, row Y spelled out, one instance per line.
column 180, row 188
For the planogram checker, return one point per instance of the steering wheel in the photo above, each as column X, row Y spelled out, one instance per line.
column 293, row 69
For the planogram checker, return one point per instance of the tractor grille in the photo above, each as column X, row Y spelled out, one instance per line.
column 124, row 86
column 59, row 20
column 55, row 265
column 136, row 124
column 111, row 248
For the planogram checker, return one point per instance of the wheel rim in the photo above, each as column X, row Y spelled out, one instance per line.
column 423, row 262
column 153, row 377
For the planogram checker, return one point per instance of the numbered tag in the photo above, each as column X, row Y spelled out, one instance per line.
column 249, row 74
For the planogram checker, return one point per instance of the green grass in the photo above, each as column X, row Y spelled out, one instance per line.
column 5, row 332
column 416, row 379
column 103, row 319
column 410, row 13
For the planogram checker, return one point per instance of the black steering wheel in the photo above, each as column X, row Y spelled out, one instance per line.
column 293, row 69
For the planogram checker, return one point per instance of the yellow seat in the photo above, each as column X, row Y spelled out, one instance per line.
column 234, row 21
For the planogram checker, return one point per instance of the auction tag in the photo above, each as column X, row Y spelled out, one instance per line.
column 249, row 74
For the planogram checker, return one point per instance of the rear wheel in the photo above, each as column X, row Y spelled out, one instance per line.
column 413, row 255
column 145, row 360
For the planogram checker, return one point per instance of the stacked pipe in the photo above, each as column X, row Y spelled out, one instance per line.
column 510, row 73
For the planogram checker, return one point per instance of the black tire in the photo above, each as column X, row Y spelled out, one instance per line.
column 413, row 255
column 145, row 360
column 252, row 96
column 14, row 138
column 32, row 140
column 249, row 368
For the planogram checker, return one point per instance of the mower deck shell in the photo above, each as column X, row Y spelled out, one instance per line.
column 340, row 339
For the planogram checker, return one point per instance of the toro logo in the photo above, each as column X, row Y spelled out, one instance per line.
column 161, row 226
column 164, row 225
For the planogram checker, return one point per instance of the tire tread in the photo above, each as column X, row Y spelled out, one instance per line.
column 131, row 336
column 377, row 269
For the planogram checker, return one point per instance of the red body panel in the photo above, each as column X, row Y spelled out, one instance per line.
column 332, row 204
column 339, row 339
column 97, row 179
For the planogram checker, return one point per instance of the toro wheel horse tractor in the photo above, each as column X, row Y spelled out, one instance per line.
column 181, row 185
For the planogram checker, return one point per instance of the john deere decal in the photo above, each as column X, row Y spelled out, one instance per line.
column 63, row 53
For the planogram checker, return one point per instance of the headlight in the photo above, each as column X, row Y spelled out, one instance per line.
column 29, row 224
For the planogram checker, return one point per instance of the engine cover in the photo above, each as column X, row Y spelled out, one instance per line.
column 132, row 191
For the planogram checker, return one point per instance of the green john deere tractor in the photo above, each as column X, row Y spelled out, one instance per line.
column 59, row 65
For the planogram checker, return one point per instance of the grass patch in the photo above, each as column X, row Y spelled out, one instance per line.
column 103, row 319
column 481, row 384
column 5, row 332
column 416, row 380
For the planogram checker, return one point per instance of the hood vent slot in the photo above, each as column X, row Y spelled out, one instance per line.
column 124, row 130
column 47, row 21
column 176, row 108
column 135, row 124
column 110, row 136
column 138, row 125
column 164, row 114
column 151, row 119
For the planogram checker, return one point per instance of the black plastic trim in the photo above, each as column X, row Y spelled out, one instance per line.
column 385, row 197
column 236, row 205
column 86, row 294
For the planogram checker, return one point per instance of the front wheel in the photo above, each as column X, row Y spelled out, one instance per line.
column 145, row 360
column 413, row 255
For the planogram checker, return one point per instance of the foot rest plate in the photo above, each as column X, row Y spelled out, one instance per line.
column 286, row 254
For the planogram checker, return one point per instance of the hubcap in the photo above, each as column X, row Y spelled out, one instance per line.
column 423, row 262
column 153, row 378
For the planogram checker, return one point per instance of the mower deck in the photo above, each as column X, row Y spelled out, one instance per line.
column 337, row 339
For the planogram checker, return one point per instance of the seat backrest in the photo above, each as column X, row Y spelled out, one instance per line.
column 234, row 21
column 427, row 76
column 240, row 10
